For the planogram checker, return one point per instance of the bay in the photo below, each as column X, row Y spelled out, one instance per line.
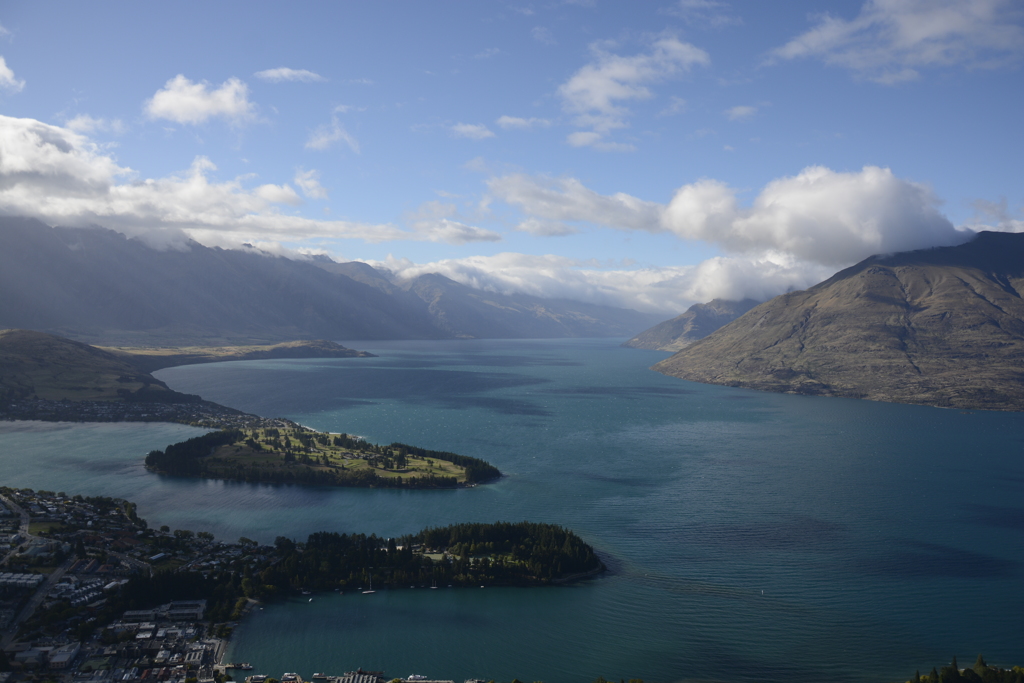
column 750, row 536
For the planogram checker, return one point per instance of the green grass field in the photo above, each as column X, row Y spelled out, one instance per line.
column 321, row 452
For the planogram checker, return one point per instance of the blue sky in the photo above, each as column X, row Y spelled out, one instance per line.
column 648, row 154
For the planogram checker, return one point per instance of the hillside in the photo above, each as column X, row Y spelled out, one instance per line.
column 697, row 322
column 940, row 327
column 35, row 365
column 97, row 285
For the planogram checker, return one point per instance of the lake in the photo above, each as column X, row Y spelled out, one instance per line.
column 749, row 536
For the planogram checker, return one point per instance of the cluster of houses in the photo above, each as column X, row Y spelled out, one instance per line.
column 165, row 644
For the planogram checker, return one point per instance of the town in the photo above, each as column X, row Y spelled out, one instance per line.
column 89, row 593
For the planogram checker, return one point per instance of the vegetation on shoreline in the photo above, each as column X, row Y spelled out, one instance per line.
column 300, row 455
column 182, row 565
column 979, row 673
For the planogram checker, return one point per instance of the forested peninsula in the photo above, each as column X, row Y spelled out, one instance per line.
column 161, row 565
column 299, row 455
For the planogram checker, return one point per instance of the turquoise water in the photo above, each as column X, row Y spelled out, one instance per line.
column 751, row 537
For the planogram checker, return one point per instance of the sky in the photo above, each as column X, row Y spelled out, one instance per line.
column 649, row 154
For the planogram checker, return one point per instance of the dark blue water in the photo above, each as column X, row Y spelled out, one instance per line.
column 752, row 537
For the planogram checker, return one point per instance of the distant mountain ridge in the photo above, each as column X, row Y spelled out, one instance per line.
column 697, row 322
column 940, row 327
column 98, row 285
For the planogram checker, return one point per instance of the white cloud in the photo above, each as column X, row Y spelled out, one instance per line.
column 326, row 135
column 819, row 216
column 488, row 53
column 278, row 194
column 890, row 40
column 567, row 199
column 62, row 177
column 542, row 34
column 589, row 138
column 595, row 93
column 283, row 73
column 7, row 80
column 740, row 113
column 545, row 228
column 183, row 101
column 514, row 122
column 83, row 123
column 797, row 231
column 453, row 232
column 998, row 211
column 309, row 183
column 667, row 290
column 473, row 131
column 706, row 12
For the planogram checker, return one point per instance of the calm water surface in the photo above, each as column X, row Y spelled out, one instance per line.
column 752, row 537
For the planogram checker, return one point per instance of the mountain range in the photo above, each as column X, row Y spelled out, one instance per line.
column 941, row 327
column 99, row 286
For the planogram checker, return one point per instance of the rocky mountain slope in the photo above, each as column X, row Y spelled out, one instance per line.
column 941, row 327
column 697, row 322
column 99, row 286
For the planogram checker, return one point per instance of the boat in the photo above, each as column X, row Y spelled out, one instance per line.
column 366, row 592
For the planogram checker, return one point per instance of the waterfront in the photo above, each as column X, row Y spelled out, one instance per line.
column 869, row 527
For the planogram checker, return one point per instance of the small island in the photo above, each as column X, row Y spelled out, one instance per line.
column 292, row 454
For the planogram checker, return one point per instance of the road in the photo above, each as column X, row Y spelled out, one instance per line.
column 23, row 527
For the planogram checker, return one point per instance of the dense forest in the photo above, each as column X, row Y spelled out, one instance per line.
column 304, row 460
column 500, row 554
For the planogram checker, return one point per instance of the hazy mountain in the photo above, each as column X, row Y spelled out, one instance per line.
column 941, row 327
column 98, row 285
column 697, row 322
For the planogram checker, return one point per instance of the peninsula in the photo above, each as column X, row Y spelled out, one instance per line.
column 79, row 563
column 46, row 377
column 290, row 453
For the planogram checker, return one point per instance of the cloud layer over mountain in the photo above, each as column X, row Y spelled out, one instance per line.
column 796, row 231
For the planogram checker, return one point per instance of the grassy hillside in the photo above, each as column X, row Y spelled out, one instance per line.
column 941, row 327
column 150, row 359
column 44, row 366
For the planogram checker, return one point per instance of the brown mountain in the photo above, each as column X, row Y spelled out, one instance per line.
column 697, row 322
column 941, row 327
